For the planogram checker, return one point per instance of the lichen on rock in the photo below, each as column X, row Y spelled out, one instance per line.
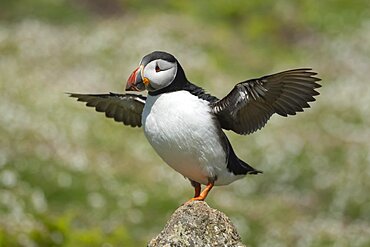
column 196, row 224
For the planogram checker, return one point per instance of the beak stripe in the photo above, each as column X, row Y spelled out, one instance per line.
column 132, row 78
column 135, row 80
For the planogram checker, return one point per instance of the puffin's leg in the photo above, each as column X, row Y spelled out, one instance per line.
column 204, row 193
column 197, row 188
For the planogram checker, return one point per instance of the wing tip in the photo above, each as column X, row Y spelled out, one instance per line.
column 78, row 96
column 73, row 95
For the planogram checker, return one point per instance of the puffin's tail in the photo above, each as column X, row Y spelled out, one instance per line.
column 236, row 165
column 247, row 169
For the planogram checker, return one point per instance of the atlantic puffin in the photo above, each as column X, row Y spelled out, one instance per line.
column 184, row 124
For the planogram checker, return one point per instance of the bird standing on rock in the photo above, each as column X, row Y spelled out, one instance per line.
column 184, row 124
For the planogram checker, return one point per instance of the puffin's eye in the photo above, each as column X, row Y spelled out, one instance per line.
column 157, row 69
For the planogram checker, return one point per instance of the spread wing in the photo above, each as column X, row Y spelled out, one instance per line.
column 251, row 103
column 125, row 108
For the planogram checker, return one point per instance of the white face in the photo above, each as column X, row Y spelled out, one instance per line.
column 160, row 73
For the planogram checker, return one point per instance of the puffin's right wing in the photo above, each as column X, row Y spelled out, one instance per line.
column 125, row 108
column 251, row 103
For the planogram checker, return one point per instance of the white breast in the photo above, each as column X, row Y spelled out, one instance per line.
column 180, row 128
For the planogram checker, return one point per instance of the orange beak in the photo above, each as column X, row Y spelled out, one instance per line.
column 135, row 80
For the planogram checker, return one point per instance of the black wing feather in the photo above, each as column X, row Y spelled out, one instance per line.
column 251, row 103
column 125, row 108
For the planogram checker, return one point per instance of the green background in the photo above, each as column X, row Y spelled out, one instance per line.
column 70, row 177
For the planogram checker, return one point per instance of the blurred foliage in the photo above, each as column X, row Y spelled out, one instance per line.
column 70, row 177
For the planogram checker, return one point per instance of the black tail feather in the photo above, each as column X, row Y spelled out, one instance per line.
column 248, row 168
column 237, row 166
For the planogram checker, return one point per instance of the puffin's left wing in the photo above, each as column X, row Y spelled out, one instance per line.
column 251, row 103
column 125, row 108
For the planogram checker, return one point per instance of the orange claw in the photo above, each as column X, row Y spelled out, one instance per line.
column 202, row 196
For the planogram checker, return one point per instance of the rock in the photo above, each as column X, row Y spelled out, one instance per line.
column 196, row 224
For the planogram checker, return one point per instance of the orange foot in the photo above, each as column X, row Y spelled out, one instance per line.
column 202, row 196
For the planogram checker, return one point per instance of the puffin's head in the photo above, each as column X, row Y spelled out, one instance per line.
column 157, row 70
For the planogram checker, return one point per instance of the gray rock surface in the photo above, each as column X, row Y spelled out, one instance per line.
column 196, row 224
